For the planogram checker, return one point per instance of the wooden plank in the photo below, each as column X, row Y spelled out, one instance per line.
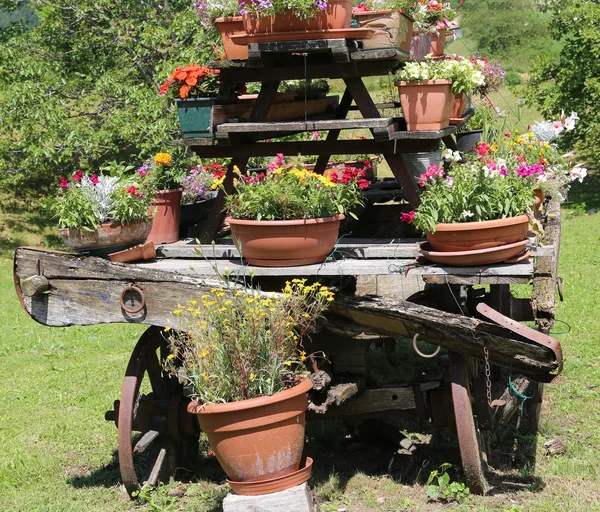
column 424, row 134
column 457, row 333
column 367, row 54
column 299, row 126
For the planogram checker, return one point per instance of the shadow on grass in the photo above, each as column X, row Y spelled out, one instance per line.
column 585, row 195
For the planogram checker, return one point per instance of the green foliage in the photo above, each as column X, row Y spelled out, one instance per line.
column 82, row 88
column 235, row 345
column 572, row 80
column 507, row 29
column 292, row 194
column 512, row 78
column 309, row 89
column 440, row 486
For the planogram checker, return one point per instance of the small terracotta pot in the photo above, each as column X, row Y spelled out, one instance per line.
column 392, row 28
column 106, row 238
column 140, row 252
column 337, row 15
column 423, row 44
column 285, row 243
column 260, row 438
column 458, row 105
column 165, row 223
column 469, row 236
column 228, row 27
column 426, row 105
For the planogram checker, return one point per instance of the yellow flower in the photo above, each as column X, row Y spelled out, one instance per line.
column 277, row 171
column 171, row 356
column 162, row 159
column 177, row 312
column 288, row 363
column 204, row 353
column 193, row 302
column 167, row 329
column 252, row 376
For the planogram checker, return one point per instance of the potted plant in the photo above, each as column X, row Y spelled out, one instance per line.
column 425, row 95
column 100, row 214
column 199, row 193
column 275, row 16
column 240, row 356
column 477, row 205
column 389, row 18
column 225, row 16
column 431, row 20
column 289, row 217
column 196, row 89
column 467, row 75
column 164, row 174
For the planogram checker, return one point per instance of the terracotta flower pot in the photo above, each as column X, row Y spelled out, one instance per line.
column 165, row 225
column 423, row 44
column 426, row 105
column 392, row 28
column 285, row 243
column 145, row 251
column 468, row 236
column 458, row 105
column 337, row 15
column 228, row 27
column 106, row 238
column 260, row 438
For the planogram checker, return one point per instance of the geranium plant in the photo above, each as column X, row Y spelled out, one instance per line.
column 237, row 344
column 194, row 81
column 290, row 194
column 431, row 15
column 86, row 200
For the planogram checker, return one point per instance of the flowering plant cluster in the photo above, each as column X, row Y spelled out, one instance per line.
column 493, row 76
column 201, row 181
column 303, row 9
column 465, row 75
column 162, row 172
column 432, row 15
column 85, row 201
column 237, row 344
column 379, row 5
column 350, row 175
column 289, row 194
column 208, row 10
column 194, row 81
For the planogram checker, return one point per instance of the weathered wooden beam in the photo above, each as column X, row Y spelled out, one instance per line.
column 299, row 126
column 34, row 285
column 455, row 332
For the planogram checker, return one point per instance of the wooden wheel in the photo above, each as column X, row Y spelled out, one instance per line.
column 168, row 431
column 472, row 440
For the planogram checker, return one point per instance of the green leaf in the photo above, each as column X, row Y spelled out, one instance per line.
column 433, row 492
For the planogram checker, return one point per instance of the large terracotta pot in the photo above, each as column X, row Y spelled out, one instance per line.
column 392, row 28
column 106, row 238
column 458, row 105
column 228, row 27
column 285, row 243
column 337, row 15
column 423, row 44
column 165, row 225
column 260, row 438
column 469, row 236
column 426, row 105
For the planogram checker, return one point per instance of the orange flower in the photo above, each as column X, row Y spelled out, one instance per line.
column 191, row 81
column 183, row 92
column 162, row 159
column 180, row 74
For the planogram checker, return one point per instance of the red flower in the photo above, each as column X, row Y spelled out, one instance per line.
column 362, row 183
column 64, row 182
column 407, row 217
column 482, row 148
column 94, row 179
column 78, row 175
column 132, row 190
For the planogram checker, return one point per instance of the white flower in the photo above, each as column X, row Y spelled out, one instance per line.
column 449, row 182
column 451, row 156
column 578, row 173
column 467, row 213
column 558, row 127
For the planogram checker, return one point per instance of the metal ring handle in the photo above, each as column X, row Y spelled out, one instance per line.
column 137, row 309
column 426, row 356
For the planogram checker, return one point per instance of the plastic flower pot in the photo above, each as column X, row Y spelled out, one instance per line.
column 423, row 44
column 338, row 15
column 165, row 225
column 392, row 28
column 195, row 116
column 285, row 243
column 418, row 163
column 229, row 26
column 426, row 105
column 471, row 236
column 467, row 141
column 106, row 238
column 260, row 438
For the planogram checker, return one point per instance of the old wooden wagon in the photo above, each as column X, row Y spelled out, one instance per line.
column 387, row 295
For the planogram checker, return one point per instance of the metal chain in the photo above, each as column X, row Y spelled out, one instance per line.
column 488, row 373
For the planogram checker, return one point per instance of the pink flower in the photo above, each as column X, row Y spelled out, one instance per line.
column 64, row 182
column 132, row 190
column 432, row 172
column 407, row 217
column 315, row 135
column 94, row 179
column 482, row 148
column 78, row 175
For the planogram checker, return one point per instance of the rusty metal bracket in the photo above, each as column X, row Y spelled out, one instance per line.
column 537, row 337
column 136, row 309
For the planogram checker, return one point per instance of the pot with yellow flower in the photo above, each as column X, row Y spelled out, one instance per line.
column 240, row 355
column 98, row 214
column 197, row 89
column 165, row 174
column 289, row 217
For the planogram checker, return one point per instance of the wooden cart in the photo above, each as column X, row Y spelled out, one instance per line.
column 387, row 294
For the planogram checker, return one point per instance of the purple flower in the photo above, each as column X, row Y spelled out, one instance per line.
column 321, row 4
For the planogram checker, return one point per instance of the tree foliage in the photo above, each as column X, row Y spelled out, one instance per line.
column 572, row 80
column 81, row 88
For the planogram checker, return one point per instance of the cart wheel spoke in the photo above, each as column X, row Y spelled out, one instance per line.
column 161, row 416
column 471, row 450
